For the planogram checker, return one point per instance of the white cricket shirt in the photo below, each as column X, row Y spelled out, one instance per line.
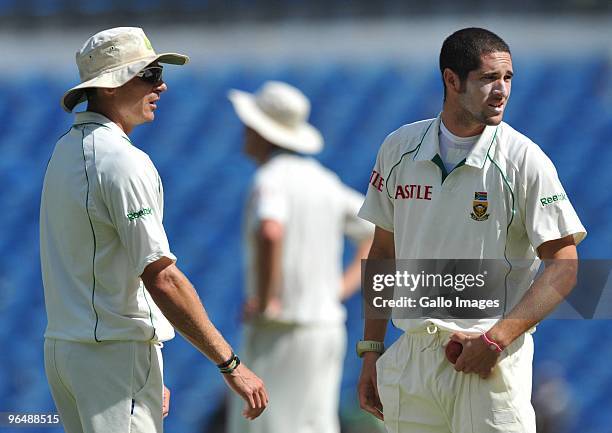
column 100, row 226
column 316, row 210
column 502, row 202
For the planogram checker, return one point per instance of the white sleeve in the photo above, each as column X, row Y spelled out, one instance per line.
column 269, row 200
column 132, row 193
column 378, row 205
column 547, row 211
column 355, row 228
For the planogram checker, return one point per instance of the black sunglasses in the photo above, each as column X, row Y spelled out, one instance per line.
column 152, row 74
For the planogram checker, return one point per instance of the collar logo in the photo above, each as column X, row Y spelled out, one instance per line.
column 479, row 207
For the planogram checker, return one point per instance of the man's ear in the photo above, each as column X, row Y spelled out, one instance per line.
column 106, row 91
column 451, row 81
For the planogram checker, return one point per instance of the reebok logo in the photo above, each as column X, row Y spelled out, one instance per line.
column 545, row 201
column 139, row 213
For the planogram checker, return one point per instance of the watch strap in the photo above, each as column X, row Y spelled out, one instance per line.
column 364, row 346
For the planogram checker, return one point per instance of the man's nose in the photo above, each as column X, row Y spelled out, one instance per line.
column 501, row 88
column 161, row 87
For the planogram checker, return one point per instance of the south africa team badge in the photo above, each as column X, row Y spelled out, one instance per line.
column 479, row 206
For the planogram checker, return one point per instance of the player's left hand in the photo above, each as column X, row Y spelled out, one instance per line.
column 369, row 399
column 166, row 402
column 247, row 385
column 476, row 356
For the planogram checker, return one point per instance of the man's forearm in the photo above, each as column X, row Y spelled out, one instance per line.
column 351, row 280
column 383, row 248
column 375, row 329
column 544, row 295
column 181, row 305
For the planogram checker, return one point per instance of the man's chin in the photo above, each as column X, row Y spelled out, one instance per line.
column 494, row 120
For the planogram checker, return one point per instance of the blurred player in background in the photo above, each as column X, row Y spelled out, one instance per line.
column 102, row 243
column 492, row 194
column 297, row 215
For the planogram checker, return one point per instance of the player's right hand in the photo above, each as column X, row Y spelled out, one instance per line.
column 367, row 388
column 253, row 310
column 251, row 388
column 476, row 356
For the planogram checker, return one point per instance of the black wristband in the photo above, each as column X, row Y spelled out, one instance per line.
column 231, row 367
column 228, row 362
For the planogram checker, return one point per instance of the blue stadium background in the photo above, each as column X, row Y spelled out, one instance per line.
column 562, row 103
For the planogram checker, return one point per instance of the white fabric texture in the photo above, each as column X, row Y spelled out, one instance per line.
column 106, row 387
column 434, row 398
column 316, row 211
column 300, row 355
column 100, row 226
column 526, row 205
column 302, row 369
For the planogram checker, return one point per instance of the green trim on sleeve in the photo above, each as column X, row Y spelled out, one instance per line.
column 416, row 149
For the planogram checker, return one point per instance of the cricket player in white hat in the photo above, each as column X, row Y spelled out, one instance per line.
column 297, row 215
column 112, row 289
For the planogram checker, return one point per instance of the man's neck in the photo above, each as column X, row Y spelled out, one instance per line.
column 459, row 125
column 111, row 115
column 268, row 153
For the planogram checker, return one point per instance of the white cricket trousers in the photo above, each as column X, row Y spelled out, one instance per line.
column 108, row 387
column 422, row 393
column 301, row 367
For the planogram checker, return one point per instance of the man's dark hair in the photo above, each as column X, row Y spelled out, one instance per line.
column 461, row 51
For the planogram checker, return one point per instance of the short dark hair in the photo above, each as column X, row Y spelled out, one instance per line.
column 461, row 52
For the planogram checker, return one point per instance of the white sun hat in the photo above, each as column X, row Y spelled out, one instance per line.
column 113, row 57
column 279, row 113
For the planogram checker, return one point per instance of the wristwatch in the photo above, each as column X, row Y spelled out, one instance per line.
column 364, row 346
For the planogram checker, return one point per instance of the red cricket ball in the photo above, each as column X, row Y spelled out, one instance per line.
column 453, row 350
